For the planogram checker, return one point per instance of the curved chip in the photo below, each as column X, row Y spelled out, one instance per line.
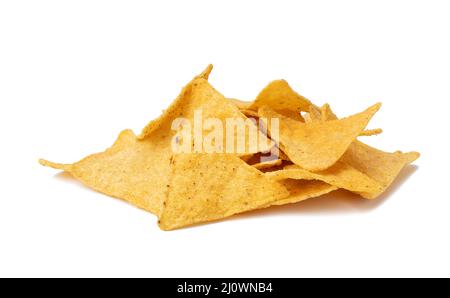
column 340, row 175
column 317, row 146
column 280, row 97
column 326, row 114
column 381, row 166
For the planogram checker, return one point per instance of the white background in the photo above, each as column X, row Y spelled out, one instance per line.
column 73, row 74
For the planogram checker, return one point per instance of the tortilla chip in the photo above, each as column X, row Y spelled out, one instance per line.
column 145, row 161
column 125, row 171
column 280, row 97
column 301, row 190
column 340, row 175
column 325, row 114
column 382, row 167
column 200, row 95
column 209, row 187
column 317, row 146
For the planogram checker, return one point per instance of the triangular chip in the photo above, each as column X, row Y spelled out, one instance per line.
column 326, row 114
column 340, row 175
column 316, row 146
column 381, row 166
column 126, row 171
column 280, row 97
column 138, row 169
column 208, row 187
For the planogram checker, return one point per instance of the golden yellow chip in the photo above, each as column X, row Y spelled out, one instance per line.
column 280, row 97
column 340, row 175
column 138, row 170
column 208, row 187
column 317, row 146
column 381, row 166
column 325, row 114
column 130, row 170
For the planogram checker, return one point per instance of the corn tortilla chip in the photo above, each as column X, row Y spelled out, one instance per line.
column 381, row 166
column 209, row 187
column 145, row 161
column 280, row 97
column 317, row 146
column 340, row 175
column 125, row 171
column 325, row 114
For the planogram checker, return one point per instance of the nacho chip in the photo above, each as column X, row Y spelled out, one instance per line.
column 208, row 187
column 325, row 114
column 340, row 175
column 381, row 166
column 317, row 146
column 145, row 161
column 125, row 171
column 280, row 97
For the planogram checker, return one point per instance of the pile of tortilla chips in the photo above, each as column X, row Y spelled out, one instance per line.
column 318, row 153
